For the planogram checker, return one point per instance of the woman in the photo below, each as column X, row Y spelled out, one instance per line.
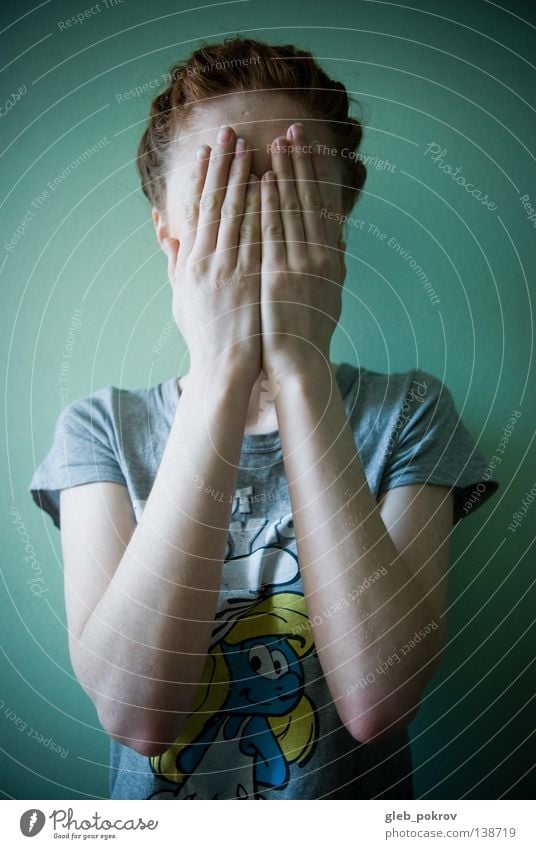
column 256, row 554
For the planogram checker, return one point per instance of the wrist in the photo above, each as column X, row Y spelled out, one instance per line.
column 226, row 371
column 304, row 366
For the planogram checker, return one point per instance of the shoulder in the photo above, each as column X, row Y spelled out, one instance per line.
column 382, row 394
column 93, row 411
column 110, row 404
column 396, row 383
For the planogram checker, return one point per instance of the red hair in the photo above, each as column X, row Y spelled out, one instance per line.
column 239, row 64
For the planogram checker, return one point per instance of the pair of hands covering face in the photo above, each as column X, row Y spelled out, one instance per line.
column 257, row 278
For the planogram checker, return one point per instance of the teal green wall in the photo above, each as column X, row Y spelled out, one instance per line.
column 457, row 75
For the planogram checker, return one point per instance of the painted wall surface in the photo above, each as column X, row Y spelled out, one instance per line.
column 83, row 283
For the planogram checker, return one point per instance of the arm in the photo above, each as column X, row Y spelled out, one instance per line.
column 341, row 535
column 140, row 654
column 152, row 589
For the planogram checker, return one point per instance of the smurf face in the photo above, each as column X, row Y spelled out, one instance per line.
column 266, row 675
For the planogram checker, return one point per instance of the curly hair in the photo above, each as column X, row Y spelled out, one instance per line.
column 244, row 64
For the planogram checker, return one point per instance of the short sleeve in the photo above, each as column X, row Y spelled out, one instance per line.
column 82, row 451
column 430, row 444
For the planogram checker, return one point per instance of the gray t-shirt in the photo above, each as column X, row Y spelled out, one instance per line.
column 281, row 738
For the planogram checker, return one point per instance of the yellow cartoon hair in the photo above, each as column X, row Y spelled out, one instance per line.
column 281, row 615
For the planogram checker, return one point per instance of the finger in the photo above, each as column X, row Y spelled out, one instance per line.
column 307, row 188
column 214, row 192
column 232, row 208
column 249, row 249
column 328, row 191
column 171, row 248
column 188, row 206
column 291, row 214
column 273, row 243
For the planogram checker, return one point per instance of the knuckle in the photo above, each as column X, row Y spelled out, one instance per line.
column 272, row 230
column 190, row 211
column 323, row 265
column 312, row 201
column 230, row 209
column 198, row 264
column 209, row 202
column 292, row 208
column 293, row 215
column 247, row 231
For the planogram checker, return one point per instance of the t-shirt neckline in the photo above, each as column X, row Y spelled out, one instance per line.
column 259, row 443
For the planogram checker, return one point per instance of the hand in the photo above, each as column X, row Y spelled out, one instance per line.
column 302, row 266
column 215, row 271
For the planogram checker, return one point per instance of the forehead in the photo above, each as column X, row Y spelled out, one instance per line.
column 258, row 116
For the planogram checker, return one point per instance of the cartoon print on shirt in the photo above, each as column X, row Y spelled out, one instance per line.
column 251, row 697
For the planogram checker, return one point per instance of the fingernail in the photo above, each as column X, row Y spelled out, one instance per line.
column 202, row 151
column 280, row 145
column 240, row 145
column 296, row 129
column 224, row 134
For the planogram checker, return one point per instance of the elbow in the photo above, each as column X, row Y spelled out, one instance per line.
column 373, row 722
column 384, row 713
column 378, row 727
column 143, row 745
column 144, row 739
column 148, row 742
column 132, row 726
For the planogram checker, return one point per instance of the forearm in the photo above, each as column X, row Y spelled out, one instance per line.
column 143, row 648
column 341, row 542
